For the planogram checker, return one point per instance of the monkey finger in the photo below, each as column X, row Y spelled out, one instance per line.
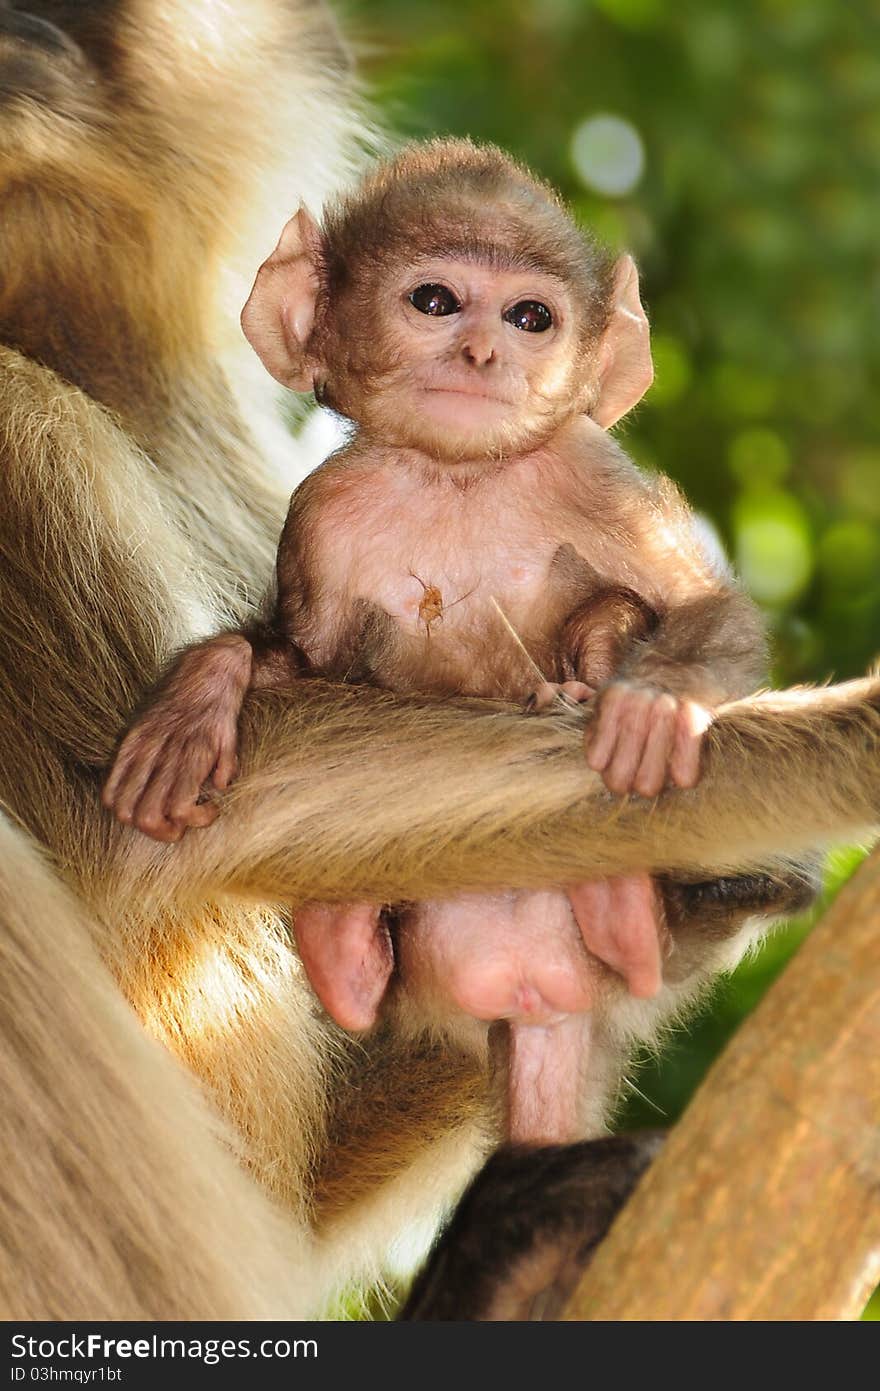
column 128, row 753
column 184, row 809
column 158, row 828
column 620, row 771
column 153, row 815
column 550, row 693
column 542, row 697
column 653, row 770
column 123, row 796
column 691, row 724
column 578, row 691
column 191, row 765
column 602, row 736
column 197, row 815
column 112, row 782
column 226, row 767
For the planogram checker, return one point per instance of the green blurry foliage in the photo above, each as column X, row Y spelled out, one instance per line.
column 661, row 1089
column 752, row 131
column 754, row 219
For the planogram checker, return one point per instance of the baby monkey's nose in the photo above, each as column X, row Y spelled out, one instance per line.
column 479, row 348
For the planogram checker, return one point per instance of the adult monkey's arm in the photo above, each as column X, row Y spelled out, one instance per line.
column 351, row 792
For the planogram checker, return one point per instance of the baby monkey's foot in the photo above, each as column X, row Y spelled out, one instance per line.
column 621, row 922
column 575, row 692
column 642, row 738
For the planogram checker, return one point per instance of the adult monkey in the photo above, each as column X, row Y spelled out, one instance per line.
column 135, row 512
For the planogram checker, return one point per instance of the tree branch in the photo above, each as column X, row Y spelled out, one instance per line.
column 763, row 1204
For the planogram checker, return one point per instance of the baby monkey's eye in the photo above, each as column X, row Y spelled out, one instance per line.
column 434, row 299
column 530, row 315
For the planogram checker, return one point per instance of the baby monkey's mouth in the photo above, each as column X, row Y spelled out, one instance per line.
column 471, row 389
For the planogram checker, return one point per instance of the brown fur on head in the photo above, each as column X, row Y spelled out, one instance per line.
column 443, row 199
column 325, row 307
column 473, row 202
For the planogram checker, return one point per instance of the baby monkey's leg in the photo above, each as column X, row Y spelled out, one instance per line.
column 620, row 920
column 347, row 955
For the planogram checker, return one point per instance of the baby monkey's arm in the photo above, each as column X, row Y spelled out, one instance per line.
column 650, row 720
column 187, row 733
column 656, row 628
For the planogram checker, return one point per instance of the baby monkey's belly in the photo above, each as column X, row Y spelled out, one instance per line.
column 516, row 956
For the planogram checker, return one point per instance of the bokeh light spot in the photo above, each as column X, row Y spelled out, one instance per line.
column 608, row 154
column 773, row 551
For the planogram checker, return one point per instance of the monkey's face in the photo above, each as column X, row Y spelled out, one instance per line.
column 461, row 359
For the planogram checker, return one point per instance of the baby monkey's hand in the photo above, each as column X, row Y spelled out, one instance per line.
column 186, row 738
column 641, row 738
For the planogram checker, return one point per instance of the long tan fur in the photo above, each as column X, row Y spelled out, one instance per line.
column 185, row 1135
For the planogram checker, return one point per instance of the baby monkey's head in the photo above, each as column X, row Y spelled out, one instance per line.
column 450, row 305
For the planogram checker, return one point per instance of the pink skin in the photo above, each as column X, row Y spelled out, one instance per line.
column 347, row 956
column 547, row 1075
column 523, row 957
column 516, row 957
column 490, row 956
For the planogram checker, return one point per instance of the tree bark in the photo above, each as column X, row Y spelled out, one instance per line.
column 765, row 1202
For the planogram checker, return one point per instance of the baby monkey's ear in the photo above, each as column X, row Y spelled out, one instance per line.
column 280, row 313
column 625, row 367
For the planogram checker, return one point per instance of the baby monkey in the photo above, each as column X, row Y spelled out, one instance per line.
column 479, row 527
